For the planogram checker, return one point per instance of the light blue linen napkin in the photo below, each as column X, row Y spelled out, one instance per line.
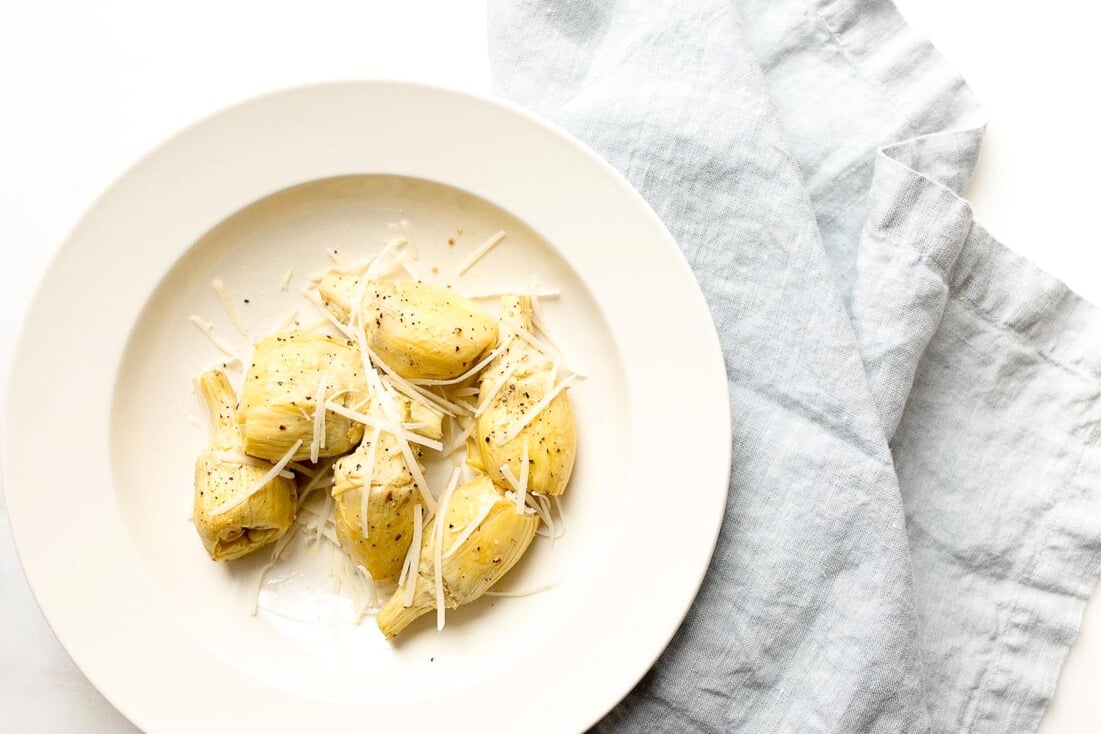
column 913, row 523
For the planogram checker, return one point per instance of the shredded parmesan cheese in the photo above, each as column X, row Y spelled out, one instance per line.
column 539, row 345
column 540, row 323
column 487, row 399
column 368, row 478
column 324, row 517
column 547, row 506
column 515, row 495
column 441, row 524
column 560, row 528
column 526, row 592
column 534, row 411
column 407, row 233
column 506, row 472
column 367, row 420
column 538, row 504
column 479, row 253
column 323, row 478
column 410, row 391
column 318, row 442
column 523, row 489
column 395, row 264
column 236, row 457
column 227, row 303
column 316, row 300
column 388, row 407
column 373, row 270
column 468, row 407
column 552, row 375
column 470, row 372
column 373, row 380
column 299, row 468
column 208, row 328
column 276, row 552
column 413, row 392
column 542, row 506
column 460, row 440
column 415, row 470
column 468, row 530
column 410, row 270
column 285, row 283
column 259, row 484
column 520, row 496
column 411, row 569
column 287, row 322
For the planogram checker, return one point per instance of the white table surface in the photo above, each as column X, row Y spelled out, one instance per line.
column 87, row 90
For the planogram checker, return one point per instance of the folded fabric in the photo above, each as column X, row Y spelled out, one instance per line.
column 913, row 525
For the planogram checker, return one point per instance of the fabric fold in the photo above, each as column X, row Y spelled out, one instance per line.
column 849, row 77
column 987, row 375
column 916, row 227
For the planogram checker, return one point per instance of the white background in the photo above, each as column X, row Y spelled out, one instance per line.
column 87, row 90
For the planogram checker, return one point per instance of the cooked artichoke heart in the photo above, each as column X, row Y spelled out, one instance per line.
column 390, row 499
column 229, row 527
column 518, row 379
column 490, row 549
column 288, row 373
column 420, row 330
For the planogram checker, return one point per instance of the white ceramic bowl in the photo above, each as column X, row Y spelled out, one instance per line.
column 102, row 426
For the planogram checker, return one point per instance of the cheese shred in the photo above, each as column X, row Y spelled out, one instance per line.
column 407, row 233
column 468, row 531
column 411, row 569
column 368, row 478
column 470, row 372
column 487, row 399
column 287, row 322
column 227, row 303
column 534, row 411
column 276, row 553
column 367, row 420
column 411, row 391
column 479, row 253
column 437, row 561
column 460, row 440
column 526, row 592
column 318, row 441
column 236, row 457
column 208, row 328
column 259, row 484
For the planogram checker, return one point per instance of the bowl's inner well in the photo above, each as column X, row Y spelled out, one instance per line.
column 303, row 639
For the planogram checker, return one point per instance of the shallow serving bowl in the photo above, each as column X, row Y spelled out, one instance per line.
column 102, row 425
